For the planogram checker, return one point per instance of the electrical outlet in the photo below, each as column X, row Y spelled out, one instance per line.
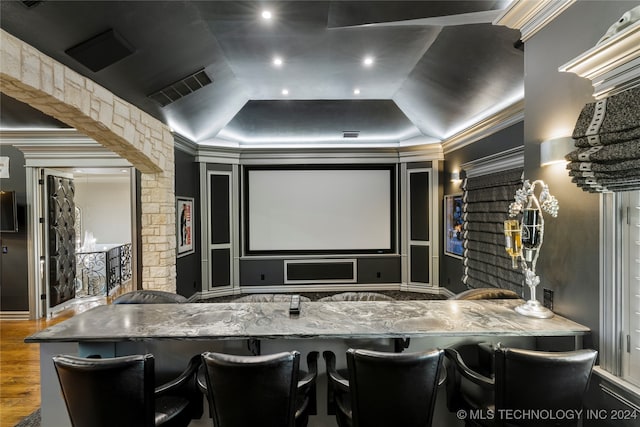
column 547, row 298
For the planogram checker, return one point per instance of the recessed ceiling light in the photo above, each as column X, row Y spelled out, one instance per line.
column 285, row 91
column 277, row 61
column 356, row 91
column 368, row 61
column 266, row 14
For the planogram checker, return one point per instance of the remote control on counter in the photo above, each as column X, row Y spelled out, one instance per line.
column 294, row 306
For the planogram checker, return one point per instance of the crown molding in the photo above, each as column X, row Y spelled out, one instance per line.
column 503, row 119
column 505, row 160
column 319, row 156
column 530, row 16
column 612, row 66
column 212, row 154
column 12, row 136
column 184, row 144
column 422, row 153
column 60, row 148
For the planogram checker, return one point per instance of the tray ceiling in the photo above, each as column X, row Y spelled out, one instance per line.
column 437, row 66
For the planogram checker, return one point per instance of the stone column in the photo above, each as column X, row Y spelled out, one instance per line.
column 30, row 76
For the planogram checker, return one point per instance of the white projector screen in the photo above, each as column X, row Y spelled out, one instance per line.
column 319, row 210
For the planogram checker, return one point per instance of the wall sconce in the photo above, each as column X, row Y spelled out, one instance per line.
column 553, row 150
column 455, row 176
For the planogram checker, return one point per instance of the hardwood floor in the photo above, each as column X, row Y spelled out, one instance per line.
column 20, row 367
column 20, row 362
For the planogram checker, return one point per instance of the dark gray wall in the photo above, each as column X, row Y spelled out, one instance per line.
column 568, row 264
column 187, row 184
column 511, row 137
column 14, row 293
column 569, row 260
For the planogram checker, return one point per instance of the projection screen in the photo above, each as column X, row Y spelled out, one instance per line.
column 319, row 210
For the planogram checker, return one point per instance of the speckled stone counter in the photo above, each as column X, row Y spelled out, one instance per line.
column 365, row 319
column 175, row 332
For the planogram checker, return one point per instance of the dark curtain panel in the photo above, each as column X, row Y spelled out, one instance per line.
column 607, row 140
column 486, row 205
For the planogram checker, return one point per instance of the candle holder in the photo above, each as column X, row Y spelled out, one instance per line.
column 531, row 236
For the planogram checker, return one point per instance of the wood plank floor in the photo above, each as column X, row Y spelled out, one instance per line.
column 20, row 362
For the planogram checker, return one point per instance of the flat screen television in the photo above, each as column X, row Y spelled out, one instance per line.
column 8, row 212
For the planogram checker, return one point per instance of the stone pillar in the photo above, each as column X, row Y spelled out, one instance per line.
column 29, row 76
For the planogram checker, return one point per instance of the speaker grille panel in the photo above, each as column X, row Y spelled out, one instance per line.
column 101, row 51
column 321, row 271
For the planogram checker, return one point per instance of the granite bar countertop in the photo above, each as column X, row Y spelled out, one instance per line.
column 362, row 319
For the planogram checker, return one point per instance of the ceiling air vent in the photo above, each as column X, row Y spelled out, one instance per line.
column 350, row 133
column 181, row 88
column 31, row 3
column 101, row 50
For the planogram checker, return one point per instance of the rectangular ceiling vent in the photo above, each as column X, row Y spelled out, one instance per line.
column 350, row 133
column 101, row 50
column 181, row 88
column 32, row 3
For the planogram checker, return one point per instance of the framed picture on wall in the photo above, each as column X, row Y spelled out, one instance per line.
column 453, row 221
column 184, row 222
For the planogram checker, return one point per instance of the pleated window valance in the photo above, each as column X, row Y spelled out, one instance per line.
column 607, row 140
column 486, row 201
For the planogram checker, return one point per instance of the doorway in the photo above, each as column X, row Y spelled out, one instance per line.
column 93, row 245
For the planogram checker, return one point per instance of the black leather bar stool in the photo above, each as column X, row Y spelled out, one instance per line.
column 479, row 355
column 357, row 296
column 524, row 380
column 267, row 390
column 268, row 298
column 384, row 389
column 149, row 296
column 121, row 392
column 306, row 396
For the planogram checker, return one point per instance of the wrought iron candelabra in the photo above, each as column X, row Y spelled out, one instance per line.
column 523, row 238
